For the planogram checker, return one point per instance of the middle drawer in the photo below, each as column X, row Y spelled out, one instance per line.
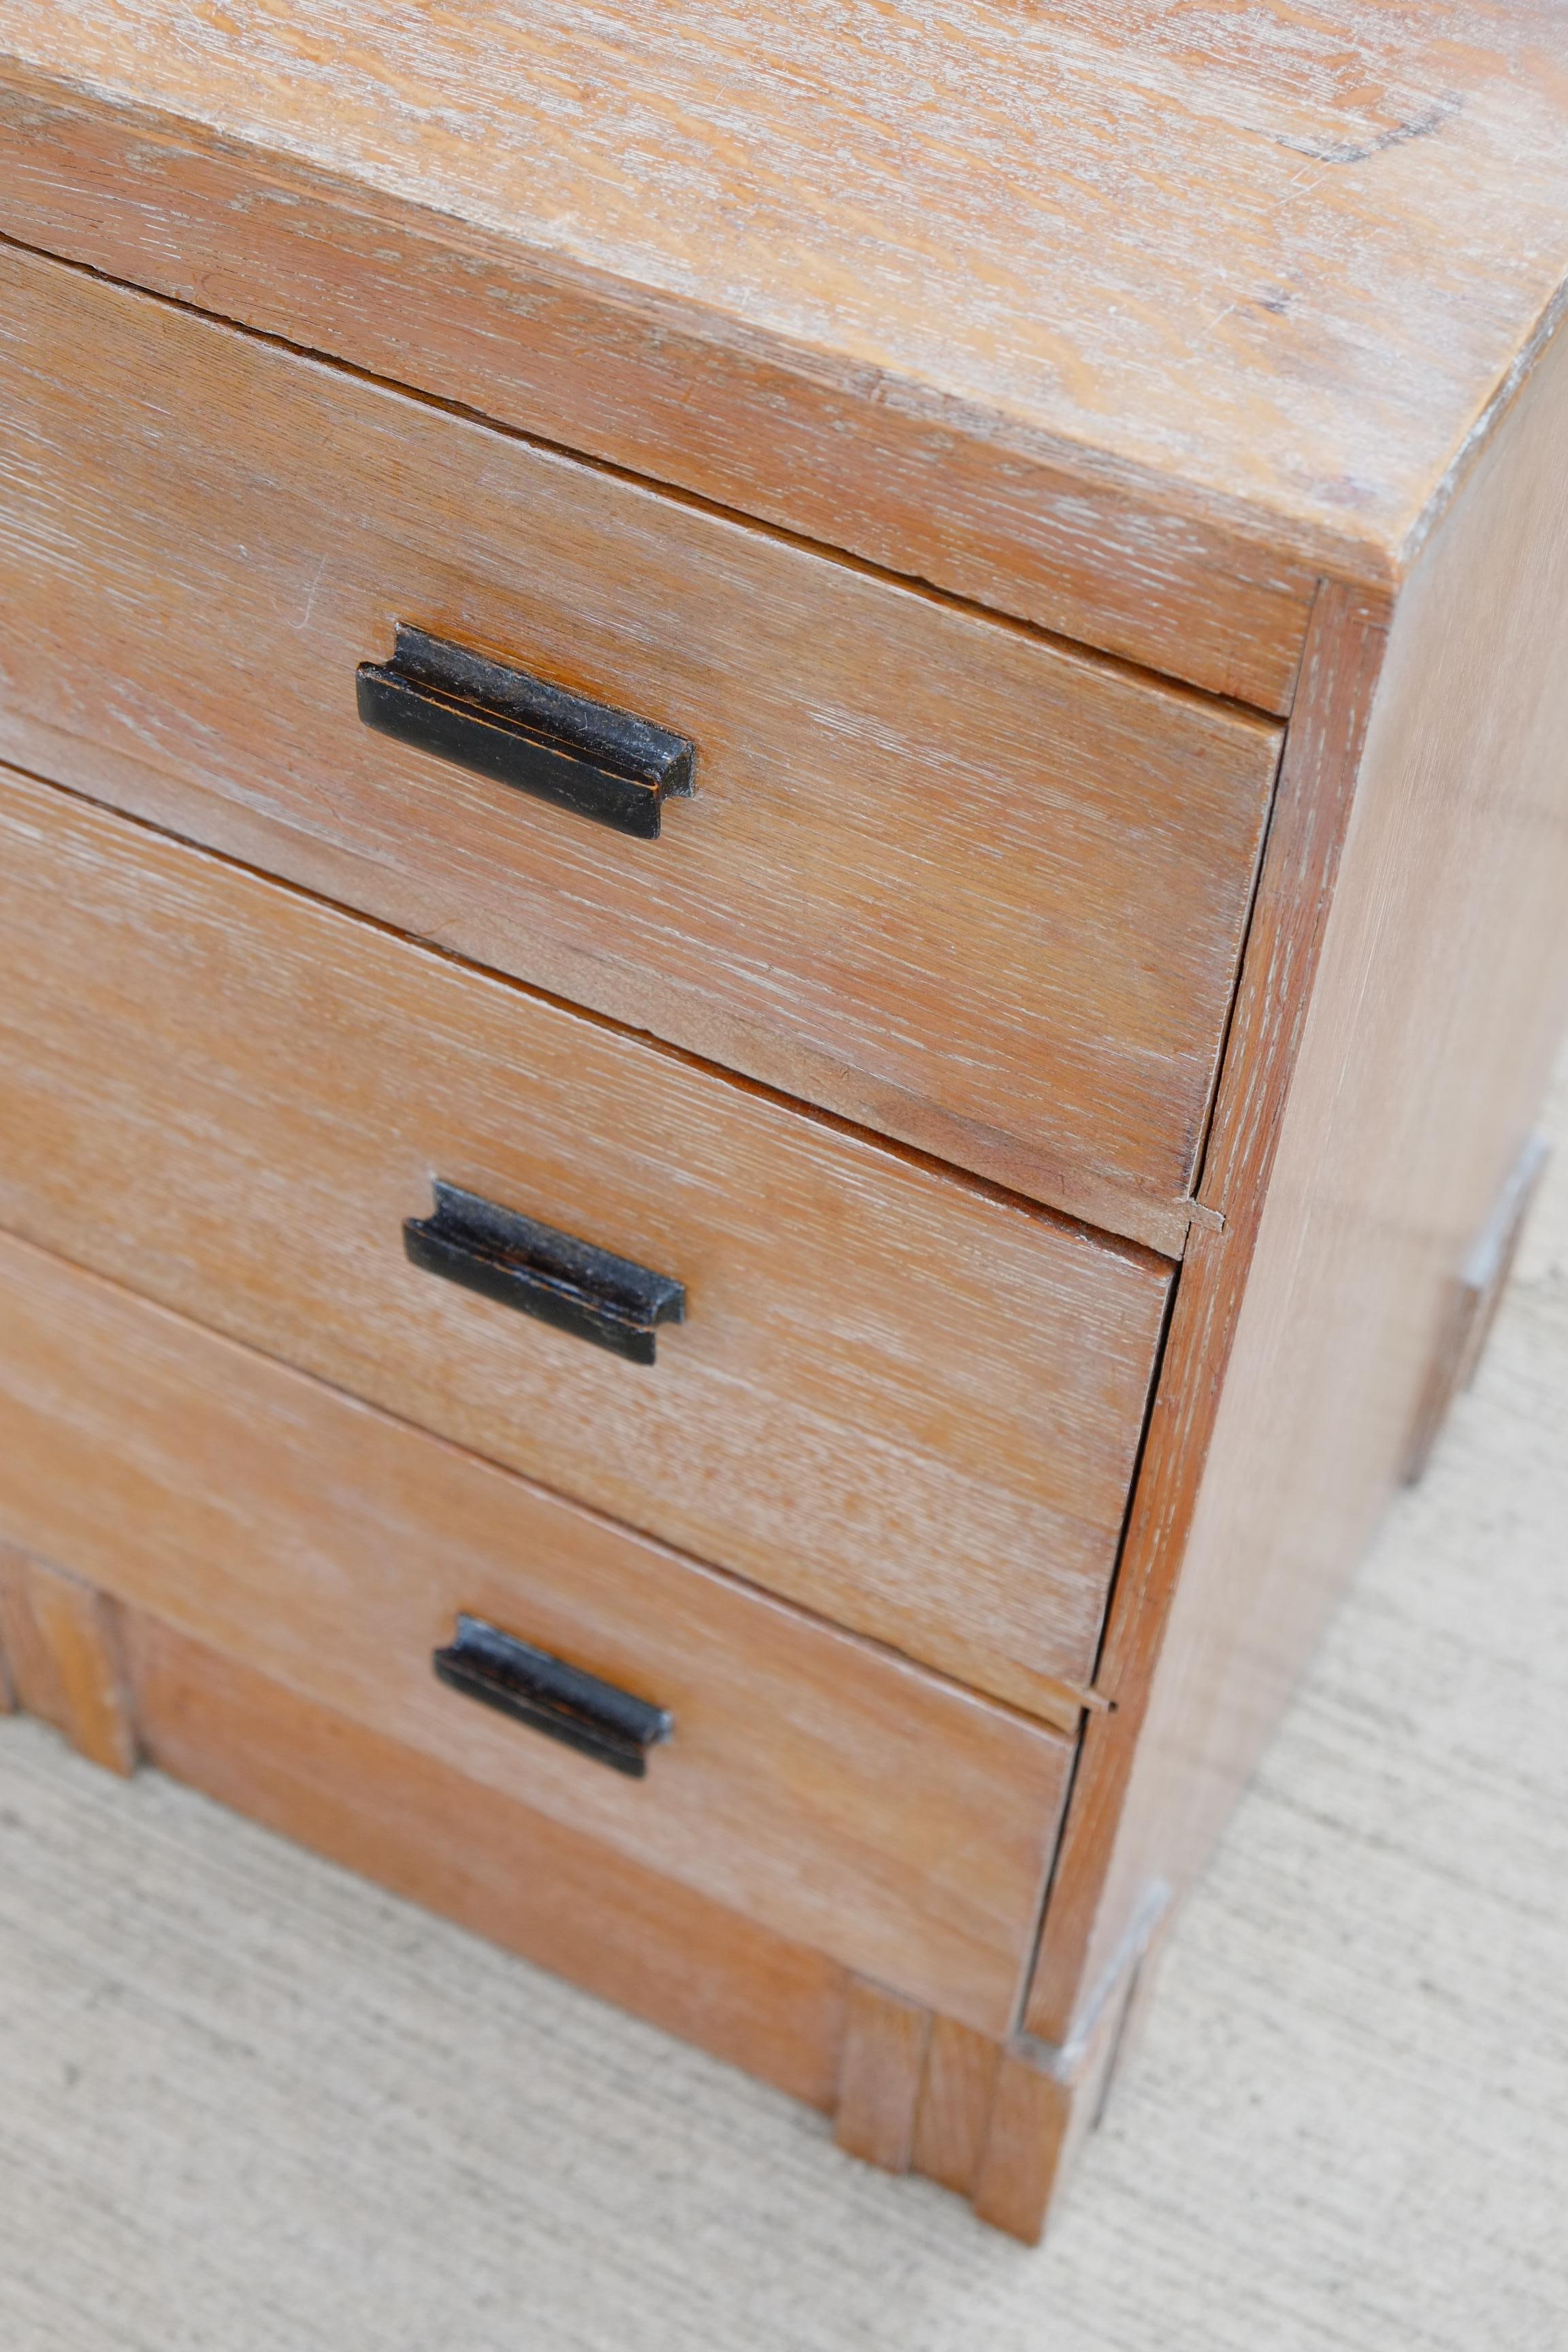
column 907, row 1401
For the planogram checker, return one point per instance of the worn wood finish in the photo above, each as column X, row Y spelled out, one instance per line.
column 77, row 1630
column 1043, row 2108
column 1086, row 1923
column 1083, row 1933
column 1475, row 1295
column 1222, row 343
column 828, row 1789
column 1441, row 995
column 954, row 2114
column 581, row 1910
column 899, row 1398
column 1027, row 2150
column 999, row 2122
column 885, row 2041
column 1259, row 278
column 979, row 891
column 32, row 1673
column 543, row 345
column 60, row 1643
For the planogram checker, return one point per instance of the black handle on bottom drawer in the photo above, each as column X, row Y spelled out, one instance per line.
column 562, row 1701
column 572, row 1284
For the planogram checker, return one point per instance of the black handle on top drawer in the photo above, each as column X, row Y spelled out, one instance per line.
column 536, row 1688
column 466, row 708
column 579, row 1288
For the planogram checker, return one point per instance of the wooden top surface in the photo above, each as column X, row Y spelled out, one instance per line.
column 1265, row 262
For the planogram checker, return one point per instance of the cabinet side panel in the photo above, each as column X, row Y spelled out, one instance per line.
column 1440, row 998
column 1344, row 655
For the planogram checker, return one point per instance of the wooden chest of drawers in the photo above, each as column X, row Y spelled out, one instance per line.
column 781, row 900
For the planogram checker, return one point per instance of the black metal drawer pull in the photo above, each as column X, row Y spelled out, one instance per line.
column 603, row 1722
column 611, row 1300
column 518, row 730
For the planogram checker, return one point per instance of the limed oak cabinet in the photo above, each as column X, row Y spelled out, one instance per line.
column 785, row 881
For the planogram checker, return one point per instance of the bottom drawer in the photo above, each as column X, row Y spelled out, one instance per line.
column 394, row 1813
column 820, row 1785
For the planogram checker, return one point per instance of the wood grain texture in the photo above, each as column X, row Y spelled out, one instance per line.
column 954, row 2111
column 543, row 344
column 885, row 2041
column 1263, row 273
column 1475, row 1295
column 32, row 1681
column 398, row 1815
column 837, row 1795
column 1027, row 2149
column 975, row 889
column 1440, row 997
column 17, row 1639
column 901, row 1400
column 1042, row 2111
column 1082, row 1934
column 60, row 1640
column 1349, row 2129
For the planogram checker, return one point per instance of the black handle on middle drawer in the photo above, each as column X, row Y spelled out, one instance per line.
column 572, row 1284
column 482, row 714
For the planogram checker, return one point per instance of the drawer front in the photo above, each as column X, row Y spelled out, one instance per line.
column 898, row 1398
column 939, row 874
column 838, row 1795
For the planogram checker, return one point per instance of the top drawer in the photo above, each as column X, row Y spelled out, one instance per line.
column 939, row 874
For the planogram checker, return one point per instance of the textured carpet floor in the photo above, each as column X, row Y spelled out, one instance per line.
column 249, row 2105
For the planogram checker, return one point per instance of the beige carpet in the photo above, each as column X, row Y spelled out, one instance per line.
column 246, row 2103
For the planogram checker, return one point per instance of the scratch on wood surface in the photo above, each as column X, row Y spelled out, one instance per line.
column 303, row 622
column 1421, row 126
